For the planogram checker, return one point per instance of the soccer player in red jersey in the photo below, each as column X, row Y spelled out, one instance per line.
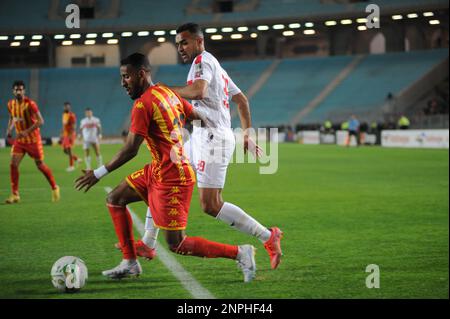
column 68, row 135
column 166, row 185
column 24, row 115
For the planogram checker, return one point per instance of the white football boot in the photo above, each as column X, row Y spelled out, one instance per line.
column 126, row 268
column 246, row 261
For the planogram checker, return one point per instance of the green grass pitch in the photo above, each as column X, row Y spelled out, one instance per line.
column 340, row 210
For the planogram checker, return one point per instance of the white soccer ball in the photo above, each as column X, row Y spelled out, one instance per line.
column 69, row 274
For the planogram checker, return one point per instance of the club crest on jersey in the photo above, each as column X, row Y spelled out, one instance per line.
column 139, row 105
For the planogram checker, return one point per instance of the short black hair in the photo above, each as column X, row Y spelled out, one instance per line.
column 137, row 60
column 88, row 109
column 65, row 103
column 18, row 83
column 192, row 28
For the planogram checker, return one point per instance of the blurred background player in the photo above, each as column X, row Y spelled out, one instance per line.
column 25, row 116
column 353, row 130
column 210, row 87
column 166, row 184
column 91, row 131
column 68, row 135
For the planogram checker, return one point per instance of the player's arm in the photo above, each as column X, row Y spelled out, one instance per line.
column 99, row 129
column 194, row 91
column 246, row 123
column 126, row 153
column 39, row 122
column 9, row 127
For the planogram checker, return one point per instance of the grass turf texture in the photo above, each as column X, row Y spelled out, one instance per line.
column 340, row 210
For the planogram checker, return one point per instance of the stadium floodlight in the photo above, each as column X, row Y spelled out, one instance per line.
column 159, row 32
column 67, row 42
column 288, row 33
column 107, row 35
column 227, row 29
column 75, row 36
column 15, row 44
column 309, row 32
column 210, row 30
column 309, row 24
column 173, row 32
column 242, row 29
column 362, row 28
column 4, row 37
column 361, row 20
column 112, row 41
column 89, row 42
column 59, row 36
column 35, row 43
column 143, row 33
column 37, row 37
column 262, row 27
column 19, row 37
column 346, row 21
column 91, row 35
column 330, row 23
column 278, row 26
column 428, row 14
column 253, row 35
column 236, row 36
column 397, row 17
column 161, row 39
column 294, row 25
column 216, row 37
column 126, row 34
column 412, row 15
column 434, row 22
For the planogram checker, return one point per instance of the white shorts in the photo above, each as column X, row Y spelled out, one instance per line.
column 87, row 144
column 210, row 152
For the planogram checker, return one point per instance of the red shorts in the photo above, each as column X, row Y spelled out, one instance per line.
column 34, row 150
column 169, row 204
column 68, row 141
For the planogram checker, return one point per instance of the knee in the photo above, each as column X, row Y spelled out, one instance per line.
column 38, row 163
column 115, row 198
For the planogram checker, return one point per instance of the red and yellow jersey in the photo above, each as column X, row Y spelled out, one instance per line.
column 24, row 115
column 159, row 115
column 69, row 121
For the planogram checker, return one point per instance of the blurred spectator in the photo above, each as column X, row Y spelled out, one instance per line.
column 327, row 127
column 353, row 129
column 403, row 122
column 344, row 126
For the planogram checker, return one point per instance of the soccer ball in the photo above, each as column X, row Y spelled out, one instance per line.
column 69, row 274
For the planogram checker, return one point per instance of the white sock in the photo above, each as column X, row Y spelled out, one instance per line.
column 99, row 160
column 87, row 160
column 151, row 231
column 237, row 218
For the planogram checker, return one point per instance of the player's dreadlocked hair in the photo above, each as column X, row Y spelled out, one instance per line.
column 192, row 28
column 18, row 83
column 137, row 60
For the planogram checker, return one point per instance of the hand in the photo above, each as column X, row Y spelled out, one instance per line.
column 21, row 134
column 100, row 136
column 252, row 147
column 86, row 181
column 79, row 136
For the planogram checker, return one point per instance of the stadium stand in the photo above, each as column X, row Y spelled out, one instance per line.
column 46, row 15
column 293, row 84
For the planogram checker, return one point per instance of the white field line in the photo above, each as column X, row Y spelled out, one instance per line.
column 186, row 279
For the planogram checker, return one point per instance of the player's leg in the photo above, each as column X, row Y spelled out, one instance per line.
column 87, row 158
column 198, row 246
column 36, row 152
column 16, row 157
column 116, row 202
column 98, row 154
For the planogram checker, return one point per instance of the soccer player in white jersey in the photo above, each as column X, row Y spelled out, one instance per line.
column 91, row 131
column 210, row 87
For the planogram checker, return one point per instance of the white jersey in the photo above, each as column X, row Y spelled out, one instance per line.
column 221, row 88
column 89, row 127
